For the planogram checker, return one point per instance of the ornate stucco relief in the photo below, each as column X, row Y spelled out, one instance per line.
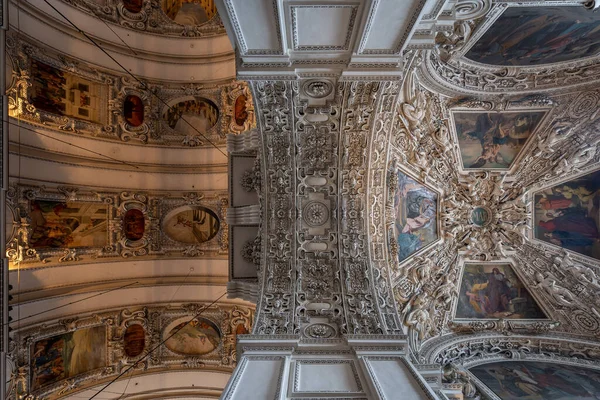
column 232, row 100
column 156, row 320
column 47, row 244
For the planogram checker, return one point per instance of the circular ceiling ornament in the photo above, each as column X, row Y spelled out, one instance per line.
column 481, row 216
column 315, row 213
column 318, row 89
column 472, row 9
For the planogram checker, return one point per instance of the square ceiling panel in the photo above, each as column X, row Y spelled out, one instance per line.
column 389, row 26
column 256, row 26
column 322, row 27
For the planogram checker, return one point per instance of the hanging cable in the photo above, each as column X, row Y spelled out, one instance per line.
column 72, row 302
column 143, row 84
column 175, row 331
column 70, row 144
column 170, row 301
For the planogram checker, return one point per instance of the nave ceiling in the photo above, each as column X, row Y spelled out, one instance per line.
column 396, row 177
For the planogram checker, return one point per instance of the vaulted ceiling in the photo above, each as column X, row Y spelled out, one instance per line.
column 408, row 156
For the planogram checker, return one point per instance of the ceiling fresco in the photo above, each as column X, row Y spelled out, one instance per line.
column 183, row 18
column 53, row 91
column 72, row 354
column 530, row 36
column 454, row 203
column 65, row 224
column 428, row 191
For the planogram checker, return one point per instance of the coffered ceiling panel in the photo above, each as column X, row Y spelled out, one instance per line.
column 256, row 25
column 321, row 27
column 389, row 26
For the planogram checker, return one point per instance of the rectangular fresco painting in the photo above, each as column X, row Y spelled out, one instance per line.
column 529, row 36
column 63, row 93
column 539, row 380
column 416, row 216
column 568, row 215
column 492, row 140
column 64, row 356
column 68, row 224
column 494, row 291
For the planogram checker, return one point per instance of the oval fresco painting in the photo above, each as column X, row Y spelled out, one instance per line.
column 133, row 110
column 189, row 12
column 191, row 224
column 189, row 116
column 134, row 340
column 133, row 6
column 240, row 113
column 134, row 224
column 196, row 337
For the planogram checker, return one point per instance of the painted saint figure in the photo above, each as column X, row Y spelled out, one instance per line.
column 568, row 215
column 416, row 216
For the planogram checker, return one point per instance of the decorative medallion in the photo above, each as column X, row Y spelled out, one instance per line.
column 481, row 216
column 318, row 89
column 134, row 224
column 320, row 331
column 315, row 213
column 134, row 340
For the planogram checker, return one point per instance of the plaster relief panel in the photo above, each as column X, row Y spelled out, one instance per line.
column 244, row 259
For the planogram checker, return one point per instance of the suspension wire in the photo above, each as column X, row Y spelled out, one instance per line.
column 175, row 331
column 119, row 37
column 72, row 302
column 170, row 301
column 143, row 84
column 73, row 145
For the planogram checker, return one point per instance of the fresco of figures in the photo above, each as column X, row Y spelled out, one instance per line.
column 494, row 291
column 189, row 12
column 68, row 224
column 196, row 337
column 529, row 36
column 191, row 225
column 416, row 216
column 64, row 356
column 568, row 215
column 539, row 380
column 66, row 94
column 493, row 140
column 188, row 116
